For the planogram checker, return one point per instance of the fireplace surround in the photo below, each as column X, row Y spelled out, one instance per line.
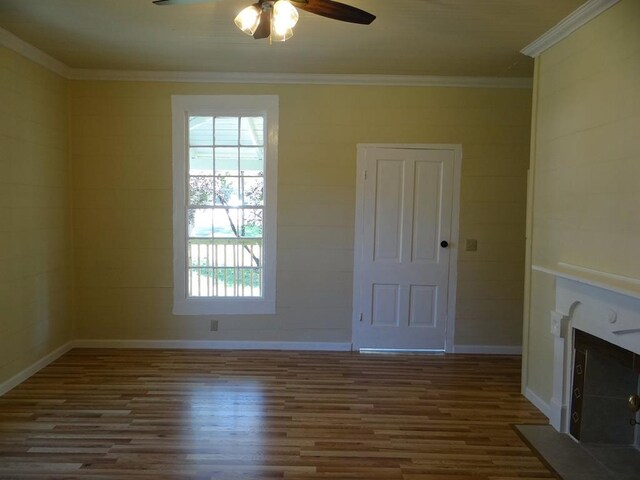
column 602, row 310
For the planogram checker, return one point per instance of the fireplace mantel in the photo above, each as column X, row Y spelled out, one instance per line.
column 601, row 304
column 615, row 283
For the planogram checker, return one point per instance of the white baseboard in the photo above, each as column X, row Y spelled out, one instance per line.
column 20, row 377
column 214, row 345
column 537, row 402
column 489, row 349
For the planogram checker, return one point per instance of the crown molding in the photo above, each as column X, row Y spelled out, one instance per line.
column 567, row 26
column 302, row 78
column 10, row 41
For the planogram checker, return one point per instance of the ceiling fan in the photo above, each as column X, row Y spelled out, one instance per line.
column 276, row 18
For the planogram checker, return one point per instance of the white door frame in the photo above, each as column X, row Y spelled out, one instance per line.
column 453, row 241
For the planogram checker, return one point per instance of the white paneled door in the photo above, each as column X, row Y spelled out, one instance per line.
column 403, row 247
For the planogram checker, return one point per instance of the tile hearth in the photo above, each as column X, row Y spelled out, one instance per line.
column 575, row 461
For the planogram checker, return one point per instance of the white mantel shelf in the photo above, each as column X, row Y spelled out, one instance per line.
column 616, row 283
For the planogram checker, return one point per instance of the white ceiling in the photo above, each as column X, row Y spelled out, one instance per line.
column 410, row 37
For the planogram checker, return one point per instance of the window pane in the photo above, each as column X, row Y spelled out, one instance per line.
column 227, row 191
column 225, row 282
column 227, row 130
column 201, row 253
column 252, row 131
column 200, row 131
column 253, row 191
column 249, row 282
column 225, row 253
column 227, row 161
column 200, row 222
column 201, row 161
column 201, row 191
column 251, row 223
column 252, row 161
column 225, row 221
column 249, row 252
column 201, row 282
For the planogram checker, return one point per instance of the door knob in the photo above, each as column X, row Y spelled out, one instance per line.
column 444, row 244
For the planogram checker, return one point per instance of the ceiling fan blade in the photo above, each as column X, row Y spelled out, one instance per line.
column 177, row 2
column 335, row 10
column 264, row 28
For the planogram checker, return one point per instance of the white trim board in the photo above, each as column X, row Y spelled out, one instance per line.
column 488, row 349
column 12, row 42
column 16, row 44
column 303, row 79
column 262, row 106
column 34, row 368
column 215, row 345
column 609, row 281
column 284, row 346
column 567, row 26
column 452, row 303
column 537, row 402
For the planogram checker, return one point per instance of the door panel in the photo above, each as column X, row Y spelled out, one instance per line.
column 403, row 271
column 388, row 212
column 423, row 305
column 384, row 310
column 426, row 221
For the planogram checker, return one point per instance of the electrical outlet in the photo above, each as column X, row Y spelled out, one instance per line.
column 472, row 245
column 214, row 325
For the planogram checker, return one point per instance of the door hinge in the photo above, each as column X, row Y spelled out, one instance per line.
column 365, row 174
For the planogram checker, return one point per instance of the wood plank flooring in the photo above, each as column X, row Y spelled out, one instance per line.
column 175, row 414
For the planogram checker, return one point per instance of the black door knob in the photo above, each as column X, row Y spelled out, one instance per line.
column 444, row 244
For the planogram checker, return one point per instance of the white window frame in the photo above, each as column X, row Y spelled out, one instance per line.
column 184, row 106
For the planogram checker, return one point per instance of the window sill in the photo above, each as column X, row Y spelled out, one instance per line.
column 243, row 306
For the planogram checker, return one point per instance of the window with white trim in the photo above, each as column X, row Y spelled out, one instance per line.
column 225, row 153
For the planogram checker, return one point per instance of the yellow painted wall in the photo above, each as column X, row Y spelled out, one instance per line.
column 586, row 207
column 121, row 137
column 35, row 214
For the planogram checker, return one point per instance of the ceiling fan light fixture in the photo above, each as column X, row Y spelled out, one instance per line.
column 248, row 19
column 285, row 15
column 276, row 18
column 280, row 34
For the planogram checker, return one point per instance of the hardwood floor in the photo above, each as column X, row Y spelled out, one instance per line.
column 165, row 414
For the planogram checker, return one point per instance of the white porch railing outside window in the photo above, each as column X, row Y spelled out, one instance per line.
column 225, row 267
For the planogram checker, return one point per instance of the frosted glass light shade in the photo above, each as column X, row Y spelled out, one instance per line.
column 285, row 15
column 248, row 20
column 280, row 35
